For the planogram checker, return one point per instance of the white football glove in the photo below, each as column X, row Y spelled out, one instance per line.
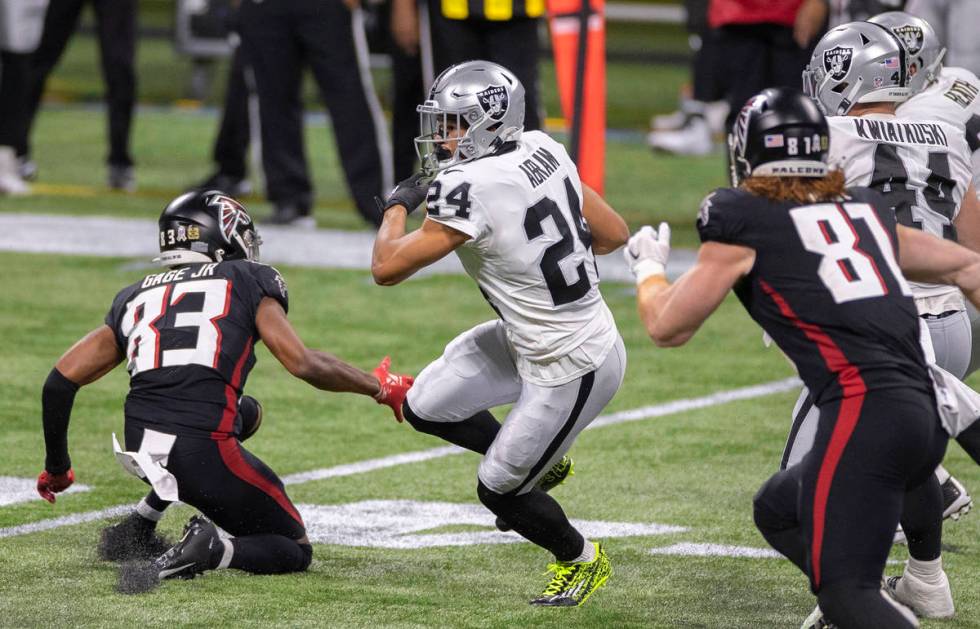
column 647, row 251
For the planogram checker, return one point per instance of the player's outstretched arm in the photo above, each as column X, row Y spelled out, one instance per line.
column 86, row 361
column 925, row 258
column 967, row 221
column 672, row 313
column 609, row 230
column 398, row 255
column 322, row 370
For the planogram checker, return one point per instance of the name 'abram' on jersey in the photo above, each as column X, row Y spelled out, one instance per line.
column 187, row 335
column 826, row 287
column 954, row 98
column 530, row 253
column 921, row 167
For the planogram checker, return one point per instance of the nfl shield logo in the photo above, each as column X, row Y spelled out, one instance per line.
column 230, row 214
column 911, row 37
column 494, row 101
column 837, row 61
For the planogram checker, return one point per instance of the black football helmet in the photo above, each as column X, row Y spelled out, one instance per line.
column 206, row 226
column 779, row 133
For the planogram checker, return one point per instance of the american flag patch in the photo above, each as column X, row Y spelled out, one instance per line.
column 774, row 141
column 891, row 63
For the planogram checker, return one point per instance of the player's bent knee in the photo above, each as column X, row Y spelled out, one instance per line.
column 766, row 509
column 436, row 429
column 493, row 500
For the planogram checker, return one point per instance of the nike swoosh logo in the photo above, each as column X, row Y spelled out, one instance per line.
column 166, row 573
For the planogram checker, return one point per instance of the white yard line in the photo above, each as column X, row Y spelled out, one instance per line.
column 360, row 467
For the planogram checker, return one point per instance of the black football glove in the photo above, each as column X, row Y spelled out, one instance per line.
column 411, row 193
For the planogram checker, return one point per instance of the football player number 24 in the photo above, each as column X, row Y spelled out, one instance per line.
column 847, row 270
column 149, row 307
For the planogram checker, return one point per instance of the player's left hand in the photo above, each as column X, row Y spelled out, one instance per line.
column 410, row 193
column 394, row 387
column 647, row 251
column 50, row 484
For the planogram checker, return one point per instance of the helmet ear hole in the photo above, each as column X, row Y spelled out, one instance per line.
column 840, row 87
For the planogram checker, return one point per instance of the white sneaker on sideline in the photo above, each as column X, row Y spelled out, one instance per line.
column 10, row 181
column 693, row 139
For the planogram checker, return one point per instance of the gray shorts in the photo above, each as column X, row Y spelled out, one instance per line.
column 476, row 372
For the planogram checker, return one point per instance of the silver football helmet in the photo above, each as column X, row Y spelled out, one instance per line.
column 857, row 62
column 481, row 97
column 922, row 47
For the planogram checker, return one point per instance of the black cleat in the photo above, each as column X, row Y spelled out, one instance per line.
column 133, row 537
column 956, row 500
column 193, row 554
column 557, row 475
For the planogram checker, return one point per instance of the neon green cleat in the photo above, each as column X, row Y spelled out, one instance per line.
column 574, row 583
column 557, row 475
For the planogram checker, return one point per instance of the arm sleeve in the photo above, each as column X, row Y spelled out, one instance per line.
column 454, row 202
column 721, row 219
column 57, row 399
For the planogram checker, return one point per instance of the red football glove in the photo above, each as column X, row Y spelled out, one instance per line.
column 394, row 387
column 50, row 484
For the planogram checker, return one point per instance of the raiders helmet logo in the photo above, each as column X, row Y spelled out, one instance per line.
column 837, row 61
column 911, row 36
column 494, row 101
column 231, row 214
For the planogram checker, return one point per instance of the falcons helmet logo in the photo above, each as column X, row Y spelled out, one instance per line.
column 231, row 214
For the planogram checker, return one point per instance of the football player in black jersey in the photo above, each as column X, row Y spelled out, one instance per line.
column 820, row 268
column 187, row 336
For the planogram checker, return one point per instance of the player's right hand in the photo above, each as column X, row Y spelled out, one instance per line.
column 410, row 193
column 647, row 251
column 393, row 387
column 50, row 484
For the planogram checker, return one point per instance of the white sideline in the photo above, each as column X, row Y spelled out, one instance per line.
column 350, row 469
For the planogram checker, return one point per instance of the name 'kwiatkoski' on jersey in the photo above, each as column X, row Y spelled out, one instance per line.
column 904, row 132
column 539, row 166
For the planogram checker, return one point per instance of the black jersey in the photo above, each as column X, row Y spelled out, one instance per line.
column 187, row 335
column 826, row 287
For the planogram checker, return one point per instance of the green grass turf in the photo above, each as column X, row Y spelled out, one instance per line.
column 172, row 149
column 697, row 469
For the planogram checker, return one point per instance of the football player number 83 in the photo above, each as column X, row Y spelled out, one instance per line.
column 846, row 268
column 143, row 313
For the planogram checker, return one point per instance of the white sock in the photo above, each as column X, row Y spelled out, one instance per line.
column 148, row 512
column 588, row 553
column 227, row 555
column 930, row 572
column 942, row 474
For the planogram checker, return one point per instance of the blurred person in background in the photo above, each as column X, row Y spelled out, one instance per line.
column 956, row 23
column 115, row 25
column 501, row 31
column 759, row 44
column 402, row 24
column 703, row 109
column 278, row 40
column 21, row 22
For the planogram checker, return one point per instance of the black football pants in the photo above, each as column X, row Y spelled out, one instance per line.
column 115, row 24
column 834, row 514
column 280, row 38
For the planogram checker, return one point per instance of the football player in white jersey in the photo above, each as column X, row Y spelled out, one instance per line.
column 511, row 205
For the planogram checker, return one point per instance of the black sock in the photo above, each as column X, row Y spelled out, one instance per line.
column 156, row 502
column 969, row 440
column 852, row 605
column 475, row 433
column 537, row 517
column 922, row 519
column 270, row 554
column 774, row 511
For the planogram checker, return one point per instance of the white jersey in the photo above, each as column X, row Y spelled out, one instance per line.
column 955, row 99
column 921, row 167
column 529, row 252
